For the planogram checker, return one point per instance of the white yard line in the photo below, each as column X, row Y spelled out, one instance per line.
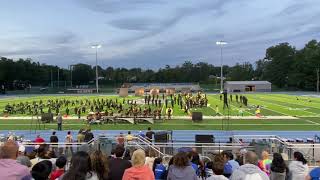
column 312, row 122
column 238, row 108
column 272, row 109
column 259, row 99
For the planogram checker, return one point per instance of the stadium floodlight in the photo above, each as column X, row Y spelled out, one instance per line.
column 96, row 46
column 221, row 44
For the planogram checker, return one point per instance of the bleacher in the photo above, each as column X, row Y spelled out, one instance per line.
column 207, row 146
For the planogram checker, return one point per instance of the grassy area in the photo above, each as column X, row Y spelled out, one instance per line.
column 306, row 109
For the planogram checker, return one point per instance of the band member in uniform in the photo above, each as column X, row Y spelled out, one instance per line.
column 169, row 112
column 258, row 111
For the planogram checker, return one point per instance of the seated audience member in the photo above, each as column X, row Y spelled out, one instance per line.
column 230, row 164
column 218, row 168
column 10, row 169
column 80, row 168
column 60, row 165
column 39, row 140
column 197, row 161
column 41, row 170
column 138, row 170
column 159, row 169
column 249, row 170
column 41, row 155
column 22, row 158
column 80, row 136
column 151, row 156
column 208, row 169
column 278, row 168
column 118, row 165
column 194, row 166
column 88, row 136
column 265, row 163
column 181, row 168
column 120, row 139
column 314, row 174
column 298, row 169
column 99, row 163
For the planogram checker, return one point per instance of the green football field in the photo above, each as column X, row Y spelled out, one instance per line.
column 279, row 112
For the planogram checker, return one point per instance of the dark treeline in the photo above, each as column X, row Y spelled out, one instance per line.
column 283, row 65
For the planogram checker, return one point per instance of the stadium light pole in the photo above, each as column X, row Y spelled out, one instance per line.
column 96, row 46
column 221, row 44
column 71, row 66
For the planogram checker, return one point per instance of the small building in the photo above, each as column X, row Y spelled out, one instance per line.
column 168, row 88
column 123, row 92
column 247, row 86
column 139, row 92
column 154, row 91
column 170, row 91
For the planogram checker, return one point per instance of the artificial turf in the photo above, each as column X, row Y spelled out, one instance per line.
column 305, row 108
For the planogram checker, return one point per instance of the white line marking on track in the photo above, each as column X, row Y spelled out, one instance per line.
column 312, row 122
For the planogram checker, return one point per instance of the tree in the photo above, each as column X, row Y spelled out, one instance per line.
column 280, row 59
column 241, row 72
column 82, row 74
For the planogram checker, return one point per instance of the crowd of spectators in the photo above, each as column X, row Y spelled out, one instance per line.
column 45, row 163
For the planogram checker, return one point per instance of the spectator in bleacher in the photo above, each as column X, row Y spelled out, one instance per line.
column 42, row 170
column 218, row 168
column 181, row 168
column 279, row 169
column 208, row 169
column 41, row 154
column 159, row 169
column 120, row 139
column 88, row 135
column 80, row 168
column 138, row 170
column 314, row 174
column 298, row 169
column 39, row 140
column 194, row 166
column 80, row 136
column 118, row 165
column 249, row 170
column 196, row 160
column 149, row 134
column 22, row 158
column 10, row 169
column 60, row 168
column 230, row 164
column 265, row 163
column 100, row 164
column 151, row 156
column 239, row 157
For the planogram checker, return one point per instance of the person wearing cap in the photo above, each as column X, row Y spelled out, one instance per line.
column 22, row 159
column 39, row 140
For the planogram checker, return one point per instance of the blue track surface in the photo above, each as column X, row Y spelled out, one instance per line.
column 180, row 135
